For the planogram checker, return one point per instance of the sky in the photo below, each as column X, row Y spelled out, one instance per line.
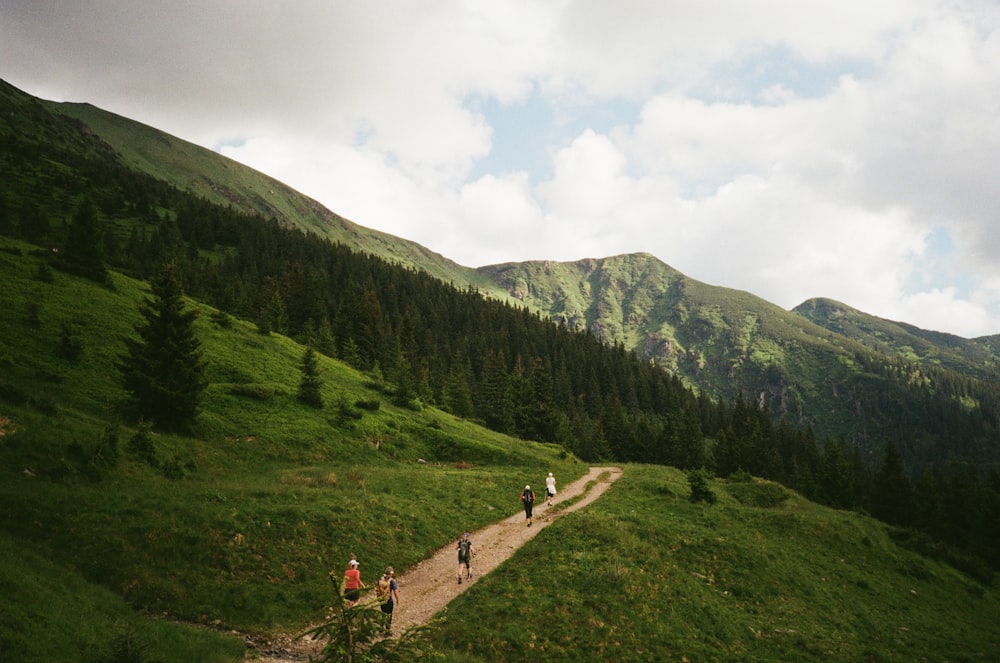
column 846, row 149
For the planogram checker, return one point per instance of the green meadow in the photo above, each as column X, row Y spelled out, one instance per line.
column 184, row 544
column 644, row 574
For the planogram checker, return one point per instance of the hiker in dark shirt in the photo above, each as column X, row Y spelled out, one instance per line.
column 464, row 557
column 528, row 498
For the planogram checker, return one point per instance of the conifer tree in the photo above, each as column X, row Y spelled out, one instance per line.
column 457, row 394
column 6, row 227
column 83, row 252
column 892, row 493
column 494, row 404
column 310, row 384
column 163, row 368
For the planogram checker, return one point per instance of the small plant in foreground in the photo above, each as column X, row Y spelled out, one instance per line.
column 357, row 634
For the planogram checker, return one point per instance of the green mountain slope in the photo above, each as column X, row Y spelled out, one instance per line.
column 975, row 357
column 615, row 309
column 240, row 521
column 237, row 526
column 719, row 341
column 223, row 181
column 722, row 342
column 726, row 342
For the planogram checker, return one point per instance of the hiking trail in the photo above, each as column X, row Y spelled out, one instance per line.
column 427, row 587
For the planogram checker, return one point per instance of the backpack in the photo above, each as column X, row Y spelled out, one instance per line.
column 463, row 550
column 382, row 589
column 528, row 496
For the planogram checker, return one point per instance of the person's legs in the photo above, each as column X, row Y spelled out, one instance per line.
column 387, row 611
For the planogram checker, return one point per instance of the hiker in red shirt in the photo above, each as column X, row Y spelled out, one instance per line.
column 352, row 583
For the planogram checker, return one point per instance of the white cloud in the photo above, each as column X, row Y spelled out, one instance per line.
column 790, row 149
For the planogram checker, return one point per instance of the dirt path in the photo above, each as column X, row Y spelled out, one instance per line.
column 431, row 584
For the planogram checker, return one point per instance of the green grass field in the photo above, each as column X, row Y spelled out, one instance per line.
column 235, row 528
column 643, row 574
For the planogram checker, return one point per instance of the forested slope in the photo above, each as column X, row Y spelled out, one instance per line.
column 69, row 193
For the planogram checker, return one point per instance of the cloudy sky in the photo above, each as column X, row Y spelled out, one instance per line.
column 846, row 149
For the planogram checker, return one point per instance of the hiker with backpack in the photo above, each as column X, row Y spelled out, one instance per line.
column 528, row 498
column 387, row 593
column 464, row 557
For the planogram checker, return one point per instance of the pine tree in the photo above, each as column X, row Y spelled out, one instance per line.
column 457, row 394
column 163, row 368
column 83, row 253
column 892, row 493
column 310, row 384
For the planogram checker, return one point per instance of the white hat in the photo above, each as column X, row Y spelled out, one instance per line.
column 354, row 562
column 527, row 487
column 550, row 473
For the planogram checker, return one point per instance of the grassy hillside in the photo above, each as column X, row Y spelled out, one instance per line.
column 974, row 357
column 223, row 181
column 237, row 526
column 762, row 575
column 844, row 374
column 720, row 341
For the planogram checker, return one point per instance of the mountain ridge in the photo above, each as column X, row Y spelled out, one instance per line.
column 806, row 365
column 218, row 178
column 307, row 212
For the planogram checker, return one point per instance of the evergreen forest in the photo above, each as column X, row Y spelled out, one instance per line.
column 66, row 192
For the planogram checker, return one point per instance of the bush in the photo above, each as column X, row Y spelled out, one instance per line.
column 359, row 633
column 222, row 319
column 261, row 392
column 741, row 476
column 700, row 490
column 140, row 445
column 763, row 494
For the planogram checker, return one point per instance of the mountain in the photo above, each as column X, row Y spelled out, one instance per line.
column 221, row 180
column 976, row 357
column 837, row 370
column 236, row 522
column 210, row 546
column 801, row 364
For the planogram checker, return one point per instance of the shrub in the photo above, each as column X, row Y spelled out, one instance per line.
column 222, row 319
column 358, row 633
column 261, row 392
column 140, row 445
column 70, row 343
column 700, row 490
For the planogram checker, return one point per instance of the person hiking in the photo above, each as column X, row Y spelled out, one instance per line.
column 387, row 591
column 550, row 487
column 352, row 583
column 528, row 498
column 464, row 557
